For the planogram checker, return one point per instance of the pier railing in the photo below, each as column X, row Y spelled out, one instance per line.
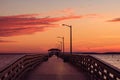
column 15, row 70
column 96, row 68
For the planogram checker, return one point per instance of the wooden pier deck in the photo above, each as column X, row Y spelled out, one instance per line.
column 44, row 67
column 55, row 69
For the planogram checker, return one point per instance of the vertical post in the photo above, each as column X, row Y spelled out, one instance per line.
column 70, row 36
column 71, row 40
column 60, row 45
column 63, row 45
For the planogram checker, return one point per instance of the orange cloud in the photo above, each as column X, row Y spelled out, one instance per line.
column 114, row 20
column 5, row 41
column 31, row 23
column 27, row 24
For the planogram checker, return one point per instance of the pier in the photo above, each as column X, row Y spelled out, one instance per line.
column 55, row 67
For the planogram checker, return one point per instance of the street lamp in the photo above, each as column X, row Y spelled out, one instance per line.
column 60, row 45
column 70, row 36
column 63, row 43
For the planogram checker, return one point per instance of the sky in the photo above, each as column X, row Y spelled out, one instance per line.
column 32, row 26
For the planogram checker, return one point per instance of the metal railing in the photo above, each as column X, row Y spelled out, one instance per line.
column 96, row 68
column 15, row 70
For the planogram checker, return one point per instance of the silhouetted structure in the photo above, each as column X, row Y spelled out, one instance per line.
column 54, row 51
column 70, row 36
column 62, row 43
column 86, row 66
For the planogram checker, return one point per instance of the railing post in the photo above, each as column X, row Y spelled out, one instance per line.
column 19, row 67
column 97, row 69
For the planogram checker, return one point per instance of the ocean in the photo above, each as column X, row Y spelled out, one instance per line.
column 113, row 59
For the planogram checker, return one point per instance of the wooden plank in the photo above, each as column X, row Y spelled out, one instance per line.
column 55, row 69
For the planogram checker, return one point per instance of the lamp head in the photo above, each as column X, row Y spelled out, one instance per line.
column 66, row 25
column 63, row 24
column 60, row 37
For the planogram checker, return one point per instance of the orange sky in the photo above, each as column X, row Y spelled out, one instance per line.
column 28, row 27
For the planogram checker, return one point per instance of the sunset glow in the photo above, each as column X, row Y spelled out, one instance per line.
column 33, row 25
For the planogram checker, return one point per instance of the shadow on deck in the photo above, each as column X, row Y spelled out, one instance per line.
column 54, row 69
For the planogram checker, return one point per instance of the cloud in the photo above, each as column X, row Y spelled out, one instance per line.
column 5, row 41
column 30, row 23
column 114, row 20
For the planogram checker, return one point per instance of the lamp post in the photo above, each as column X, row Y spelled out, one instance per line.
column 60, row 45
column 70, row 36
column 63, row 43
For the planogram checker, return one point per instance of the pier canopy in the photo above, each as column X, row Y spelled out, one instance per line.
column 54, row 51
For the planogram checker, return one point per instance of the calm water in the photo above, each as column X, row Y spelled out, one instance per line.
column 113, row 59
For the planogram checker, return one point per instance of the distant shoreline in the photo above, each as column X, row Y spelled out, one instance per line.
column 66, row 53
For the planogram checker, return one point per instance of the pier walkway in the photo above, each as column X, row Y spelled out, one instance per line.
column 55, row 69
column 47, row 67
